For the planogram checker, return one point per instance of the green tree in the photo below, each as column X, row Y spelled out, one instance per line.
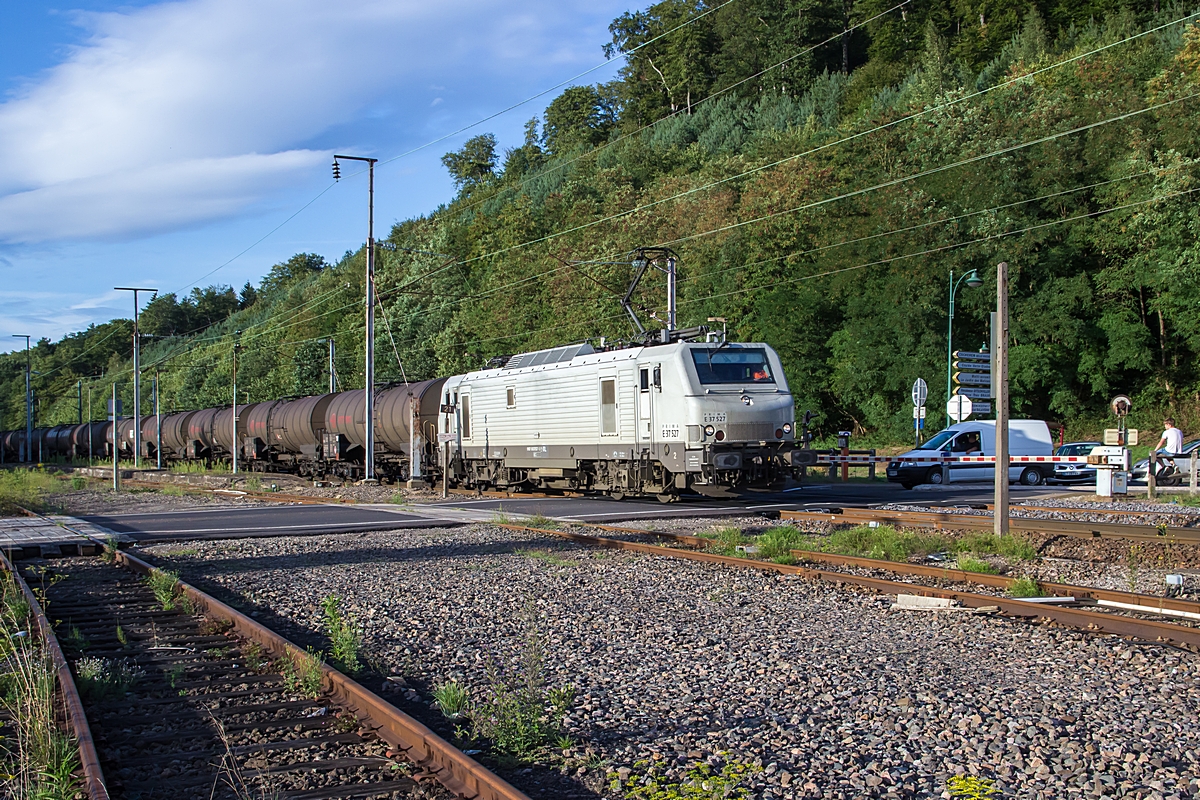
column 579, row 117
column 287, row 273
column 474, row 162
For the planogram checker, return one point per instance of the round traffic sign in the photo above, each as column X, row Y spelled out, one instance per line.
column 959, row 408
column 919, row 392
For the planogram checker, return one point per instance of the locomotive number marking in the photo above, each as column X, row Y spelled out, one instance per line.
column 670, row 432
column 714, row 416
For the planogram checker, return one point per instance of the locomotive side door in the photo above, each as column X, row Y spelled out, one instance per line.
column 645, row 421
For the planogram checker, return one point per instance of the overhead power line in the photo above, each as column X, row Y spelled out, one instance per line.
column 454, row 133
column 826, row 146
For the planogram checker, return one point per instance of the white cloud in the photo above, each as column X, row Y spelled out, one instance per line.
column 191, row 111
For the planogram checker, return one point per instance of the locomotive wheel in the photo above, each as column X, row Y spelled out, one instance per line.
column 667, row 498
column 617, row 495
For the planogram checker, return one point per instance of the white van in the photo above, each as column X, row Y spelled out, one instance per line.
column 1026, row 437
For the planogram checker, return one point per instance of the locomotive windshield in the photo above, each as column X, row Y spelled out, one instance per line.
column 732, row 366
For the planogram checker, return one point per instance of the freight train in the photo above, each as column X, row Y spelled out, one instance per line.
column 681, row 412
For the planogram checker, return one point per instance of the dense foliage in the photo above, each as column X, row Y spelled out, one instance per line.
column 819, row 206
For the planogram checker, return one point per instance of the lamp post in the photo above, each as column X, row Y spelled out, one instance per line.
column 973, row 281
column 137, row 375
column 369, row 382
column 28, row 444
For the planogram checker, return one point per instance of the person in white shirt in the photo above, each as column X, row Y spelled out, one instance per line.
column 1169, row 444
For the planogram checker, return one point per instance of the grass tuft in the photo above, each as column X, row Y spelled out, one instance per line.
column 725, row 540
column 968, row 564
column 991, row 544
column 101, row 678
column 884, row 542
column 165, row 585
column 777, row 543
column 302, row 673
column 547, row 557
column 517, row 713
column 37, row 756
column 542, row 521
column 1024, row 587
column 343, row 635
column 25, row 487
column 452, row 700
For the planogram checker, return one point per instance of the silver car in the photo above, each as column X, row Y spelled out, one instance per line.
column 1074, row 473
column 1183, row 465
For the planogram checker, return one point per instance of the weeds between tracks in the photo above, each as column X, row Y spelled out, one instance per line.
column 37, row 757
column 344, row 638
column 514, row 711
column 24, row 488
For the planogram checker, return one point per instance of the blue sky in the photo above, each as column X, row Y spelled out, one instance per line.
column 148, row 143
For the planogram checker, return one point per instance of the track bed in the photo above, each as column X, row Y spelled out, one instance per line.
column 204, row 714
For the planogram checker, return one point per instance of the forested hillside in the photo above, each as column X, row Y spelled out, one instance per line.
column 821, row 168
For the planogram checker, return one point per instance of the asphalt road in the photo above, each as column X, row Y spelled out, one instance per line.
column 259, row 521
column 293, row 520
column 821, row 495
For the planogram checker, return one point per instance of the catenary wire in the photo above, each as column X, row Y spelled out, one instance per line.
column 452, row 134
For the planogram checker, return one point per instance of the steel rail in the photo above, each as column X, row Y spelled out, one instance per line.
column 941, row 520
column 1164, row 605
column 1152, row 630
column 1166, row 511
column 452, row 768
column 89, row 760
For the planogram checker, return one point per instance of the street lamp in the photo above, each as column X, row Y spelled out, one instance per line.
column 28, row 403
column 973, row 281
column 369, row 382
column 137, row 375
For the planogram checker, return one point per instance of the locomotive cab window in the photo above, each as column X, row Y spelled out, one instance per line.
column 465, row 406
column 743, row 366
column 511, row 397
column 608, row 406
column 645, row 379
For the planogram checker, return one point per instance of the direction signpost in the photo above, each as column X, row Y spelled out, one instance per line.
column 972, row 380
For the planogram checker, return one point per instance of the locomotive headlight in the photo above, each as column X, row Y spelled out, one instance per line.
column 709, row 430
column 787, row 427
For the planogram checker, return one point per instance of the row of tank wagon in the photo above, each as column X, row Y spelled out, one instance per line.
column 712, row 417
column 317, row 436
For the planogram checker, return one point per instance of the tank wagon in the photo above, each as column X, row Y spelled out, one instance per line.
column 668, row 416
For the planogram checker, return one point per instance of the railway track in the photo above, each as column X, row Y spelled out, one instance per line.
column 1120, row 624
column 948, row 520
column 1088, row 595
column 200, row 701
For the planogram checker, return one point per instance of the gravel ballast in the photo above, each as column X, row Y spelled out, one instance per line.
column 830, row 692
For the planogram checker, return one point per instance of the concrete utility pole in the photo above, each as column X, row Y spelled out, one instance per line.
column 25, row 453
column 157, row 424
column 115, row 416
column 332, row 373
column 137, row 376
column 1000, row 376
column 369, row 383
column 236, row 336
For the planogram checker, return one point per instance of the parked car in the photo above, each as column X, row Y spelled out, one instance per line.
column 1074, row 473
column 1026, row 437
column 1183, row 466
